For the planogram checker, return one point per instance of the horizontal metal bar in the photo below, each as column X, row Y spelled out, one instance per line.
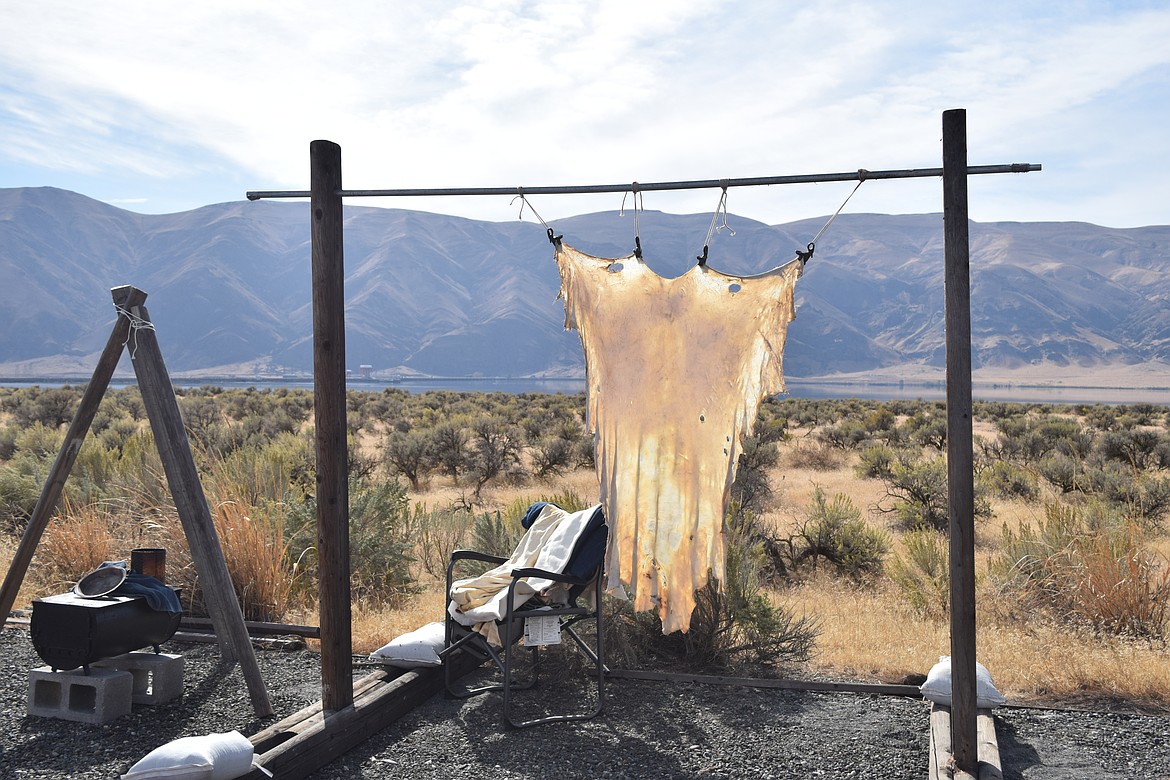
column 859, row 175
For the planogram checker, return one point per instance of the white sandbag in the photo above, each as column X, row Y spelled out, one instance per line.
column 937, row 687
column 414, row 649
column 210, row 757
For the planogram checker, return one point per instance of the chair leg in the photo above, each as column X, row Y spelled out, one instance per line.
column 596, row 656
column 478, row 648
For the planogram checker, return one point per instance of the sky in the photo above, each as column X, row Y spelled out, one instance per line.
column 159, row 107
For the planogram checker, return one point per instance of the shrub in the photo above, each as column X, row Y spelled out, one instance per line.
column 494, row 534
column 835, row 532
column 20, row 487
column 408, row 454
column 922, row 574
column 551, row 457
column 1141, row 448
column 449, row 447
column 731, row 626
column 876, row 461
column 881, row 423
column 816, row 457
column 771, row 425
column 378, row 545
column 437, row 533
column 51, row 407
column 1062, row 472
column 918, row 489
column 495, row 450
column 40, row 440
column 845, row 435
column 1032, row 438
column 8, row 441
column 584, row 452
column 1089, row 566
column 752, row 490
column 1103, row 417
column 927, row 429
column 1009, row 480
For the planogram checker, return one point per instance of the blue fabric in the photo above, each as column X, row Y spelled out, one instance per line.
column 158, row 596
column 589, row 550
column 532, row 513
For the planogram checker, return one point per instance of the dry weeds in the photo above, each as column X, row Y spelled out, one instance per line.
column 868, row 631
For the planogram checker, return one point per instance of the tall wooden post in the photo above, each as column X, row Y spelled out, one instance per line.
column 329, row 410
column 51, row 492
column 960, row 472
column 174, row 449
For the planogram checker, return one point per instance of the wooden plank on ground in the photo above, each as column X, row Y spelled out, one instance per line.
column 990, row 767
column 255, row 627
column 763, row 682
column 310, row 738
column 942, row 766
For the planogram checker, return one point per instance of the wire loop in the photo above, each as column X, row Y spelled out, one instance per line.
column 638, row 203
column 136, row 324
column 552, row 239
column 805, row 256
column 720, row 208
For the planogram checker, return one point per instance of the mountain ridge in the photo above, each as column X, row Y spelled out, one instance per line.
column 437, row 295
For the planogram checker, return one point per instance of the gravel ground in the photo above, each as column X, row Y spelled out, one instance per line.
column 648, row 730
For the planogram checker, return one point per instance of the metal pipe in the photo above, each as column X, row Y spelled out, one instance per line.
column 812, row 178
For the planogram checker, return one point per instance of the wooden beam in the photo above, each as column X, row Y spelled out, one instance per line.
column 256, row 628
column 309, row 739
column 323, row 736
column 170, row 437
column 333, row 586
column 990, row 767
column 51, row 492
column 942, row 763
column 960, row 447
column 882, row 689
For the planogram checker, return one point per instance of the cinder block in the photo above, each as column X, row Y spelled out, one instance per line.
column 158, row 677
column 101, row 696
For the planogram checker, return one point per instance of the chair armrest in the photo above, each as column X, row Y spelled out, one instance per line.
column 475, row 555
column 550, row 575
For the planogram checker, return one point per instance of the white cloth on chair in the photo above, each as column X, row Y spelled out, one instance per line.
column 548, row 544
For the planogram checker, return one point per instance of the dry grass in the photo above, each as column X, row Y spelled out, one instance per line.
column 374, row 625
column 866, row 633
column 869, row 634
column 868, row 630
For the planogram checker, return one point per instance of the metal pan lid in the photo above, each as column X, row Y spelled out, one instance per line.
column 100, row 582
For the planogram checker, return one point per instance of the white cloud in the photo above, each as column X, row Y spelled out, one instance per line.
column 513, row 92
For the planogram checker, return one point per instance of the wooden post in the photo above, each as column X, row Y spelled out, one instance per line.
column 960, row 467
column 170, row 437
column 329, row 410
column 51, row 493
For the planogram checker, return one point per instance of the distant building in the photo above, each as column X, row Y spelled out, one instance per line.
column 365, row 371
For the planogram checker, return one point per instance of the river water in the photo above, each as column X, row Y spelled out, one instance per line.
column 796, row 389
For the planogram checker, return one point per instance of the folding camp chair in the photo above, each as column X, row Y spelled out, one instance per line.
column 580, row 578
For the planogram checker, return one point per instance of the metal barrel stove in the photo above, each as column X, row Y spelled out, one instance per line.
column 93, row 622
